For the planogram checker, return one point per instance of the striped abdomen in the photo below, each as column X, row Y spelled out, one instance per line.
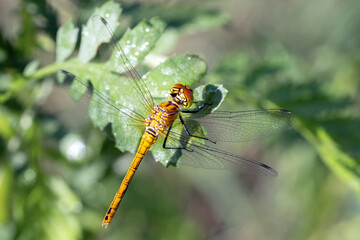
column 146, row 142
column 161, row 118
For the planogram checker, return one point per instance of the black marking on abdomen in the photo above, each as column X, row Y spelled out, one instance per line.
column 151, row 132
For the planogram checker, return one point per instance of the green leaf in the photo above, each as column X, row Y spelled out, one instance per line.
column 210, row 21
column 66, row 40
column 31, row 67
column 136, row 44
column 94, row 33
column 185, row 69
column 6, row 187
column 211, row 94
column 341, row 163
column 5, row 82
column 126, row 134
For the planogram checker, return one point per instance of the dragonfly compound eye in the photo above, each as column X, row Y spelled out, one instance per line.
column 188, row 95
column 182, row 95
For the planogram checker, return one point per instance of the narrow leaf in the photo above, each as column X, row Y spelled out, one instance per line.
column 342, row 164
column 6, row 187
column 31, row 67
column 66, row 40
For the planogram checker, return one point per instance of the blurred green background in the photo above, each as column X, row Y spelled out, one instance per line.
column 58, row 173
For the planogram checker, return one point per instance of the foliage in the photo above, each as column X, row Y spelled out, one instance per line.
column 50, row 189
column 278, row 78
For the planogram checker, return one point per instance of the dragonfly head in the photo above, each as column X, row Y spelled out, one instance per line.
column 182, row 95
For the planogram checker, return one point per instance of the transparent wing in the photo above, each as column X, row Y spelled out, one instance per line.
column 119, row 95
column 103, row 103
column 195, row 153
column 223, row 126
column 117, row 74
column 131, row 85
column 127, row 126
column 242, row 126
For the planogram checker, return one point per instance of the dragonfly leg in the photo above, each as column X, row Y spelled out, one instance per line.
column 188, row 133
column 164, row 143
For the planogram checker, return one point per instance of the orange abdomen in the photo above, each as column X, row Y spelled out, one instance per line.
column 161, row 118
column 146, row 142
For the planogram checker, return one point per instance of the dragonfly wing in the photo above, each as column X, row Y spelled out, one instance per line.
column 121, row 62
column 119, row 94
column 118, row 73
column 103, row 109
column 194, row 152
column 242, row 126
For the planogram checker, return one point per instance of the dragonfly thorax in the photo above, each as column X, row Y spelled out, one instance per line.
column 161, row 118
column 182, row 95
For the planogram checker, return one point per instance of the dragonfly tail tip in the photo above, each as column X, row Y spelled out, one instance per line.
column 283, row 111
column 103, row 20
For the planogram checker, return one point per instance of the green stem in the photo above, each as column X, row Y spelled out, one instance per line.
column 52, row 68
column 68, row 65
column 47, row 70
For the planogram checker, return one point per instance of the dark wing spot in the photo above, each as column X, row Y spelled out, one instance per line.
column 284, row 111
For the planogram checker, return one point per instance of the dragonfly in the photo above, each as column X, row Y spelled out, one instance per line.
column 172, row 124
